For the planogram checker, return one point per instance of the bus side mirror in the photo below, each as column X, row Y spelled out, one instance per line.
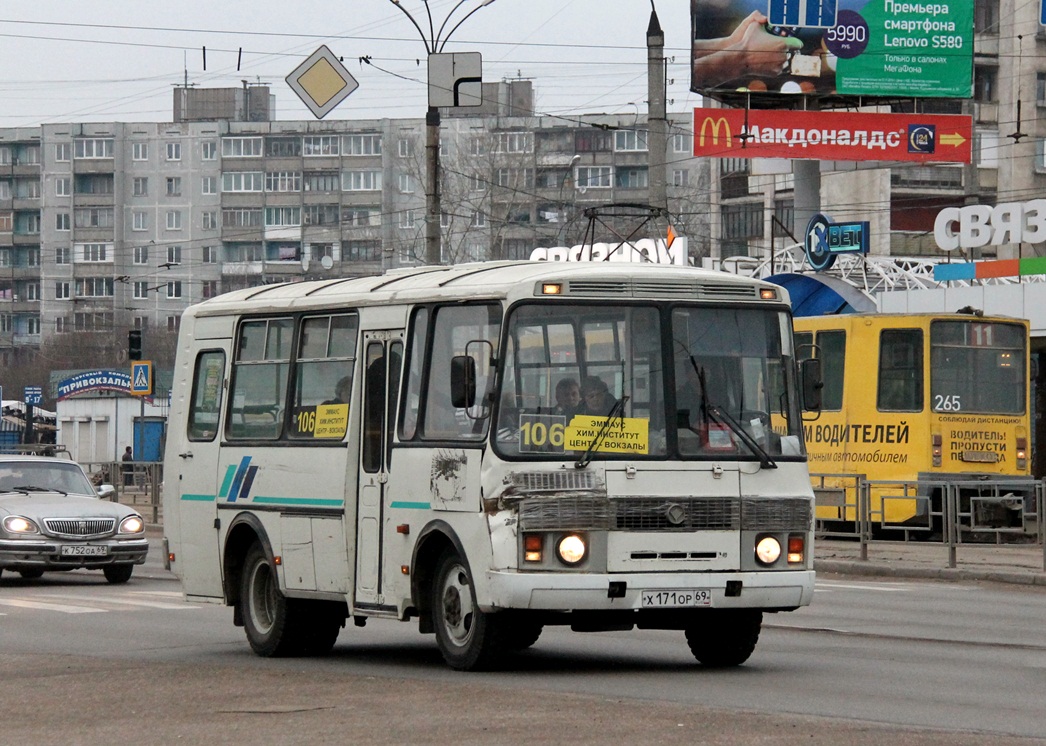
column 812, row 384
column 462, row 381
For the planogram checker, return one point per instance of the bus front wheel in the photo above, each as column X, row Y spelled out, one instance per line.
column 720, row 638
column 468, row 638
column 266, row 612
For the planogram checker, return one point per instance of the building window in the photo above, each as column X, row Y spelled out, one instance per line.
column 361, row 217
column 140, row 322
column 986, row 16
column 140, row 289
column 93, row 147
column 89, row 253
column 405, row 148
column 209, row 150
column 369, row 144
column 680, row 177
column 631, row 178
column 242, row 147
column 62, row 151
column 62, row 325
column 283, row 181
column 282, row 216
column 361, row 251
column 407, row 219
column 210, row 220
column 174, row 220
column 94, row 287
column 315, row 145
column 209, row 185
column 141, row 255
column 174, row 289
column 242, row 218
column 594, row 176
column 210, row 288
column 406, row 184
column 139, row 151
column 174, row 323
column 630, row 141
column 93, row 217
column 61, row 291
column 321, row 214
column 174, row 254
column 139, row 220
column 140, row 186
column 62, row 186
column 243, row 181
column 479, row 220
column 741, row 223
column 61, row 255
column 322, row 181
column 174, row 186
column 174, row 151
column 515, row 142
column 361, row 181
column 210, row 254
column 32, row 325
column 515, row 178
column 784, row 215
column 592, row 141
column 62, row 221
column 681, row 143
column 984, row 84
column 283, row 147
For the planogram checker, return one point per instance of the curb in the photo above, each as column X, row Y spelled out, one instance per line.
column 844, row 567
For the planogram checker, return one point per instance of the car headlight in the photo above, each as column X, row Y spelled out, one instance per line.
column 132, row 524
column 16, row 524
column 571, row 549
column 767, row 550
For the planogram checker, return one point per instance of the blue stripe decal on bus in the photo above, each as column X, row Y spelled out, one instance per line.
column 245, row 491
column 227, row 482
column 410, row 505
column 234, row 491
column 335, row 503
column 199, row 498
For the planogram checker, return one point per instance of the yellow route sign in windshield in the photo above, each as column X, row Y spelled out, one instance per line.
column 624, row 435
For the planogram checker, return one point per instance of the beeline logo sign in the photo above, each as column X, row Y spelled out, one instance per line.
column 715, row 124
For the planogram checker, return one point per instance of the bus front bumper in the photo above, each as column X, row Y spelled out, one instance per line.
column 570, row 592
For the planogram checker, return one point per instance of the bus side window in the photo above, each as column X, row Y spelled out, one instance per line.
column 900, row 370
column 259, row 379
column 206, row 402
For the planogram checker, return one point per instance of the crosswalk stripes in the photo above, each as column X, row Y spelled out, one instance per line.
column 68, row 603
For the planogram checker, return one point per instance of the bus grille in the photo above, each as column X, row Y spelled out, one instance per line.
column 549, row 481
column 80, row 528
column 665, row 514
column 663, row 289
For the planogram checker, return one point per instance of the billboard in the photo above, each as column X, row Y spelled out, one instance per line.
column 832, row 135
column 908, row 48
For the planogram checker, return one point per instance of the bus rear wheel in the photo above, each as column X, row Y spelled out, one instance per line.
column 721, row 638
column 468, row 638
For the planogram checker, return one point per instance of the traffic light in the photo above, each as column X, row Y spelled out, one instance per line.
column 134, row 344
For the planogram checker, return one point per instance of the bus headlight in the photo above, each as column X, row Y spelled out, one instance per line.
column 767, row 550
column 571, row 549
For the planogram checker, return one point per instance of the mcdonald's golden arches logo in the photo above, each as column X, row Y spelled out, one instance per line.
column 715, row 124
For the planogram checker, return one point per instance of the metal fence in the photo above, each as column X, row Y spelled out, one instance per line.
column 1004, row 513
column 137, row 483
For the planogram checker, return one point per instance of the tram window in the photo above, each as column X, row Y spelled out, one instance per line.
column 832, row 352
column 900, row 370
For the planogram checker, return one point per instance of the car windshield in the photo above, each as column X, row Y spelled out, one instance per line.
column 44, row 475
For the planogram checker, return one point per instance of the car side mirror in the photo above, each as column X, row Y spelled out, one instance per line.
column 462, row 381
column 106, row 491
column 812, row 384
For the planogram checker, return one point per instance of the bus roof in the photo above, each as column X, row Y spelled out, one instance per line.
column 495, row 280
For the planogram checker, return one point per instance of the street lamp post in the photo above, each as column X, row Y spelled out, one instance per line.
column 562, row 205
column 435, row 40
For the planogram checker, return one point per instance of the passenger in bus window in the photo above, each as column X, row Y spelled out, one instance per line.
column 568, row 398
column 596, row 399
column 341, row 391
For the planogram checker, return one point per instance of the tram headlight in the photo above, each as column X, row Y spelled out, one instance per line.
column 767, row 549
column 572, row 549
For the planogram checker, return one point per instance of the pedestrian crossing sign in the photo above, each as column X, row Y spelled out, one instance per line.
column 142, row 378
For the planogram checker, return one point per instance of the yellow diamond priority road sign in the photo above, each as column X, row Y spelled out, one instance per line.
column 322, row 82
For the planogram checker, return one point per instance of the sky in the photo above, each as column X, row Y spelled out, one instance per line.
column 118, row 60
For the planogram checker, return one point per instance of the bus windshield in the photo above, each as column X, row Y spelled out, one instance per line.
column 583, row 382
column 977, row 366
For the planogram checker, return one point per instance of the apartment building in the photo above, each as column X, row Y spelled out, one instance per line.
column 112, row 226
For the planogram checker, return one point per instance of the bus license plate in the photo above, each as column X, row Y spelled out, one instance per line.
column 84, row 550
column 665, row 599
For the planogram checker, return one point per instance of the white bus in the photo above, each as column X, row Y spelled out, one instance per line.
column 392, row 447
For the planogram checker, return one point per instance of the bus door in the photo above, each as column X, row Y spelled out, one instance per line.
column 382, row 360
column 192, row 525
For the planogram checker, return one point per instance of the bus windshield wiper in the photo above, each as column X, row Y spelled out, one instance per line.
column 618, row 410
column 719, row 414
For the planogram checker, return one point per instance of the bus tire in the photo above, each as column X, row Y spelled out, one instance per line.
column 521, row 634
column 324, row 626
column 468, row 638
column 268, row 617
column 721, row 638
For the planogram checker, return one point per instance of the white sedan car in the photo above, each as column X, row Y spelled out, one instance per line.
column 51, row 518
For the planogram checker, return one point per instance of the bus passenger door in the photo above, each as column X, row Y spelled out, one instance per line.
column 383, row 355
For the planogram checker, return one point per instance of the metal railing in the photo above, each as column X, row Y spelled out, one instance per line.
column 137, row 483
column 1004, row 512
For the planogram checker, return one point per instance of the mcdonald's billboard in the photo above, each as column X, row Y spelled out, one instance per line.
column 832, row 135
column 775, row 48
